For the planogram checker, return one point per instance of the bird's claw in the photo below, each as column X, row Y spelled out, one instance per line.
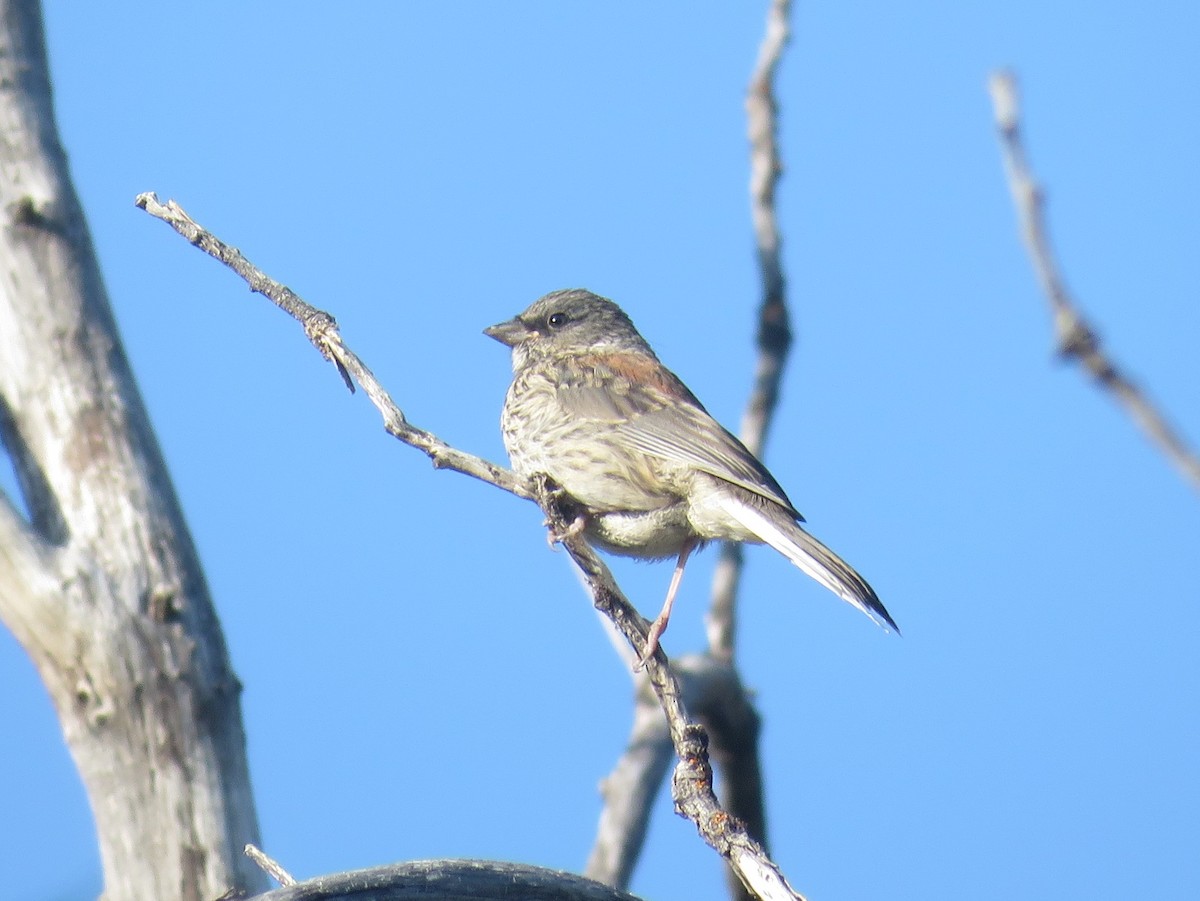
column 564, row 518
column 656, row 630
column 574, row 529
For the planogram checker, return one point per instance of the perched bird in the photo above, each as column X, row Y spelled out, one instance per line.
column 655, row 476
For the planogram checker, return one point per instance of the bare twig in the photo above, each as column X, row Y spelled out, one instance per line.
column 692, row 787
column 322, row 331
column 1075, row 336
column 774, row 331
column 269, row 865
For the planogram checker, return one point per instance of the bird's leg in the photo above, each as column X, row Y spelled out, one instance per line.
column 659, row 626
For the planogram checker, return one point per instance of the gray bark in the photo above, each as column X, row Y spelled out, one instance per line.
column 100, row 583
column 449, row 880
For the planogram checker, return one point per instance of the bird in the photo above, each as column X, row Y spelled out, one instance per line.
column 653, row 475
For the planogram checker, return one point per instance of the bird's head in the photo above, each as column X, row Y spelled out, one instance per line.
column 568, row 322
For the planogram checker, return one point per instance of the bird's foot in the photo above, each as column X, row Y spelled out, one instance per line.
column 564, row 517
column 657, row 628
column 557, row 535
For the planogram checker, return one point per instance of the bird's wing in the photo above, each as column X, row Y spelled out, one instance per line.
column 654, row 412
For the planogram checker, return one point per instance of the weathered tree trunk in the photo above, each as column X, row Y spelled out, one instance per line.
column 101, row 584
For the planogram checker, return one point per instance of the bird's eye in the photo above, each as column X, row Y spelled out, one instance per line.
column 556, row 320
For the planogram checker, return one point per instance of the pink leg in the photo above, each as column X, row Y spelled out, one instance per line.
column 659, row 626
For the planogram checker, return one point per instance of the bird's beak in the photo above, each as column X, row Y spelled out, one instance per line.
column 511, row 332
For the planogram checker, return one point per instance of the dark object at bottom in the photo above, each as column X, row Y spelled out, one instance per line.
column 448, row 880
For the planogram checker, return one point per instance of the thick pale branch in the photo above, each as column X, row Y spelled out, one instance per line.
column 27, row 573
column 1075, row 336
column 116, row 617
column 693, row 791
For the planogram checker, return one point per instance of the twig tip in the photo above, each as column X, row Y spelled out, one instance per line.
column 1002, row 85
column 269, row 866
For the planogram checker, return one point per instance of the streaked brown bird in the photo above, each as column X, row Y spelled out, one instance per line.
column 654, row 475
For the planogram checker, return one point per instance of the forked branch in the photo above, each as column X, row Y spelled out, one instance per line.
column 694, row 797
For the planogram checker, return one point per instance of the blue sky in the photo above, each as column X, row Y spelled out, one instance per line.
column 424, row 170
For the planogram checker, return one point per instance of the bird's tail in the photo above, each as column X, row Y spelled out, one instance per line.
column 811, row 556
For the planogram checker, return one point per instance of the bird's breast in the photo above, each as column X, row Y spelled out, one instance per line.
column 587, row 458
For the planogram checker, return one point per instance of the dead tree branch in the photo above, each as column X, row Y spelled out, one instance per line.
column 1076, row 338
column 101, row 584
column 692, row 789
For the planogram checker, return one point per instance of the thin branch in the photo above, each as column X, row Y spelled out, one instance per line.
column 1075, row 336
column 322, row 331
column 692, row 787
column 774, row 331
column 269, row 865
